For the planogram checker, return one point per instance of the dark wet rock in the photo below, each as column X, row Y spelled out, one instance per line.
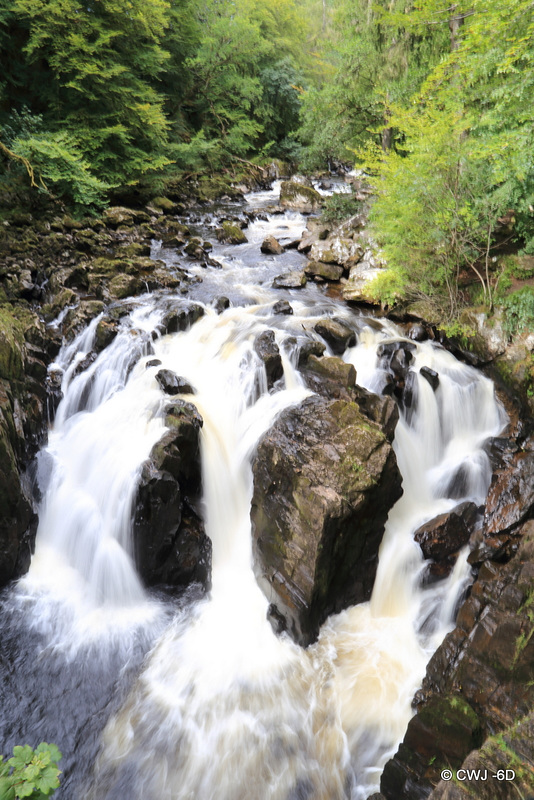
column 16, row 514
column 418, row 332
column 267, row 349
column 211, row 262
column 181, row 318
column 407, row 393
column 511, row 495
column 172, row 383
column 431, row 376
column 443, row 733
column 330, row 272
column 221, row 304
column 508, row 756
column 310, row 347
column 282, row 307
column 24, row 356
column 484, row 667
column 443, row 536
column 290, row 280
column 172, row 548
column 54, row 394
column 337, row 335
column 396, row 357
column 334, row 379
column 230, row 233
column 105, row 333
column 325, row 477
column 154, row 362
column 271, row 246
column 299, row 197
column 82, row 365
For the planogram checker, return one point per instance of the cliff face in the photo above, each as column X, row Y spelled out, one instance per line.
column 474, row 710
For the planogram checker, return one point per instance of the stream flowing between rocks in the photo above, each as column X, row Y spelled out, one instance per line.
column 197, row 697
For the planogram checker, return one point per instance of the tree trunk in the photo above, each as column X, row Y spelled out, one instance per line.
column 455, row 23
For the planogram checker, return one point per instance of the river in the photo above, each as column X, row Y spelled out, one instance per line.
column 151, row 698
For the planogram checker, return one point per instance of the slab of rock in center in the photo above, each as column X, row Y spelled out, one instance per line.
column 290, row 280
column 171, row 383
column 325, row 477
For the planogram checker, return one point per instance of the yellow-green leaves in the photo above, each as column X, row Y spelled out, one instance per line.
column 30, row 773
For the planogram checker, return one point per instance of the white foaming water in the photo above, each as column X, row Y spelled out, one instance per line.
column 101, row 435
column 224, row 708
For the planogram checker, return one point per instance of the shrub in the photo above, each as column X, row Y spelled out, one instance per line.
column 30, row 773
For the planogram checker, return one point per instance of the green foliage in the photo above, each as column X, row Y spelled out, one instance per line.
column 30, row 773
column 519, row 311
column 109, row 93
column 339, row 206
column 62, row 168
column 374, row 59
column 387, row 288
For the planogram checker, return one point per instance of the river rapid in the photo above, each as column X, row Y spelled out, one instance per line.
column 149, row 697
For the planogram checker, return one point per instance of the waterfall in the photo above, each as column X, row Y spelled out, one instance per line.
column 222, row 708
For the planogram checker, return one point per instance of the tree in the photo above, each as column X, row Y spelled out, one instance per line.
column 94, row 65
column 377, row 59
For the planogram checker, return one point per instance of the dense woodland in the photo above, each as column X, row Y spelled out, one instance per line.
column 433, row 100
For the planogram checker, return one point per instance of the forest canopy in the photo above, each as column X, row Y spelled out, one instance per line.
column 433, row 99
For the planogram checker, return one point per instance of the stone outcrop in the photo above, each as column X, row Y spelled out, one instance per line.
column 171, row 546
column 478, row 682
column 24, row 356
column 325, row 477
column 485, row 666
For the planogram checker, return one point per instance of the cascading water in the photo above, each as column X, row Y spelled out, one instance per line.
column 222, row 707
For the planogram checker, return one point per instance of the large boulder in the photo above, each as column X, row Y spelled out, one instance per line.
column 172, row 548
column 336, row 249
column 290, row 280
column 299, row 197
column 325, row 478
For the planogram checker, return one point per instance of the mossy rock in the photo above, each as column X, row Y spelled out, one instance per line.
column 230, row 233
column 123, row 286
column 133, row 250
column 65, row 298
column 300, row 198
column 163, row 203
column 11, row 346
